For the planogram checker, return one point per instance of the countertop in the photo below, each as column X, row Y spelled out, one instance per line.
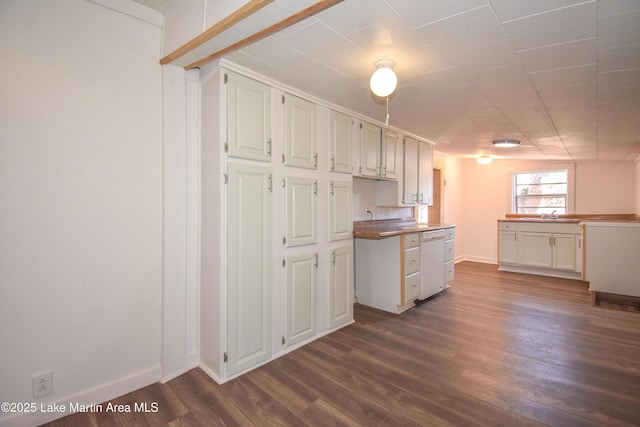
column 381, row 229
column 575, row 218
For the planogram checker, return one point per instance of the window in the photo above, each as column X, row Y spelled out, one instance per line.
column 540, row 192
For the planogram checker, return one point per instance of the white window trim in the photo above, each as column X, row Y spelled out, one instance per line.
column 571, row 183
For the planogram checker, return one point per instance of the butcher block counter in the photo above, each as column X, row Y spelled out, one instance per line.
column 382, row 229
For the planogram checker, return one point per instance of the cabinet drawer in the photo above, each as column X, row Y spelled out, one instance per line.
column 411, row 261
column 507, row 226
column 449, row 233
column 411, row 240
column 449, row 250
column 449, row 268
column 411, row 288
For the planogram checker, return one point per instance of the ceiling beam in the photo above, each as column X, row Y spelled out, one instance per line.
column 241, row 13
column 296, row 17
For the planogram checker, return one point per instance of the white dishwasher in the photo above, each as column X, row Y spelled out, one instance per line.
column 431, row 263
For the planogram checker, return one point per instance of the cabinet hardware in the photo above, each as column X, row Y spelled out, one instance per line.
column 284, row 183
column 225, row 357
column 270, row 183
column 331, row 188
column 315, row 160
column 284, row 240
column 333, row 257
column 269, row 146
column 333, row 164
column 579, row 243
column 316, row 260
column 226, row 147
column 283, row 158
column 550, row 241
column 284, row 262
column 226, row 79
column 283, row 99
column 283, row 340
column 315, row 188
column 226, row 178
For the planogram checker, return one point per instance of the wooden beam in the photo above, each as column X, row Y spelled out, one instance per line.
column 296, row 17
column 241, row 13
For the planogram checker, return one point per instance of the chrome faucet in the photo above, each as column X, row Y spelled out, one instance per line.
column 552, row 215
column 370, row 214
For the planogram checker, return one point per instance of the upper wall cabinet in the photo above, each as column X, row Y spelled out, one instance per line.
column 340, row 143
column 248, row 118
column 378, row 152
column 418, row 172
column 300, row 211
column 300, row 133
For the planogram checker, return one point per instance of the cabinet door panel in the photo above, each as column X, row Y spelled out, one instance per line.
column 411, row 288
column 300, row 133
column 425, row 174
column 249, row 238
column 534, row 249
column 301, row 297
column 564, row 251
column 341, row 133
column 508, row 247
column 390, row 169
column 410, row 178
column 248, row 118
column 370, row 149
column 340, row 219
column 300, row 211
column 341, row 286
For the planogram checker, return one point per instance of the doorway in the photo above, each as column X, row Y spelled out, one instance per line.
column 434, row 213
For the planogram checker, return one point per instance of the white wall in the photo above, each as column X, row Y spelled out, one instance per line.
column 600, row 187
column 638, row 187
column 81, row 191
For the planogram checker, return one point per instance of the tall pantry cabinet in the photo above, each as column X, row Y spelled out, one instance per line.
column 277, row 251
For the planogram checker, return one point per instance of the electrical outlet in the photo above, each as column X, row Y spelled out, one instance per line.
column 42, row 384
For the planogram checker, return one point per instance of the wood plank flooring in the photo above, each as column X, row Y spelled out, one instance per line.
column 496, row 349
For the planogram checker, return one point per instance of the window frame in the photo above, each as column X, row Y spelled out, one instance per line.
column 569, row 198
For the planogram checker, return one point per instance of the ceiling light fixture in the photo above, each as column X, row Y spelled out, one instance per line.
column 383, row 81
column 506, row 143
column 484, row 159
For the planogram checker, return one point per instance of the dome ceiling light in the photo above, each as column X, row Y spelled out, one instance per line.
column 384, row 81
column 506, row 143
column 484, row 159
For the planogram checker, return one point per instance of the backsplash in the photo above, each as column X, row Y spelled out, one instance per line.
column 364, row 198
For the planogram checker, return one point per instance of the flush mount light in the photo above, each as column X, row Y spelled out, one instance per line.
column 383, row 81
column 506, row 143
column 484, row 159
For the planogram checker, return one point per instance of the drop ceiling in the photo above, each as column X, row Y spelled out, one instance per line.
column 562, row 76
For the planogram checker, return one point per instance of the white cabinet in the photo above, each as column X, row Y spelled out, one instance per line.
column 341, row 282
column 341, row 133
column 449, row 255
column 378, row 152
column 300, row 211
column 302, row 272
column 410, row 263
column 418, row 172
column 248, row 118
column 300, row 133
column 540, row 248
column 340, row 202
column 249, row 237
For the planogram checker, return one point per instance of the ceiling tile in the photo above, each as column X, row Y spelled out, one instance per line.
column 388, row 37
column 560, row 26
column 473, row 28
column 422, row 12
column 317, row 41
column 619, row 30
column 571, row 76
column 508, row 10
column 620, row 58
column 616, row 7
column 348, row 16
column 563, row 55
column 492, row 55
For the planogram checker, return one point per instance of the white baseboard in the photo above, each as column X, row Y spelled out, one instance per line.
column 96, row 395
column 483, row 260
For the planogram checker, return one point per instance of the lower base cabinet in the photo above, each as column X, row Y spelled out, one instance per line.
column 341, row 286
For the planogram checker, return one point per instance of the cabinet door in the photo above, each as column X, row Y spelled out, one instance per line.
column 390, row 146
column 508, row 247
column 300, row 211
column 249, row 242
column 340, row 143
column 340, row 220
column 302, row 272
column 248, row 118
column 425, row 174
column 410, row 178
column 564, row 251
column 370, row 149
column 300, row 133
column 411, row 290
column 579, row 254
column 534, row 249
column 341, row 278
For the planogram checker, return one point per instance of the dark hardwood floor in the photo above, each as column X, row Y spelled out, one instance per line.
column 496, row 349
